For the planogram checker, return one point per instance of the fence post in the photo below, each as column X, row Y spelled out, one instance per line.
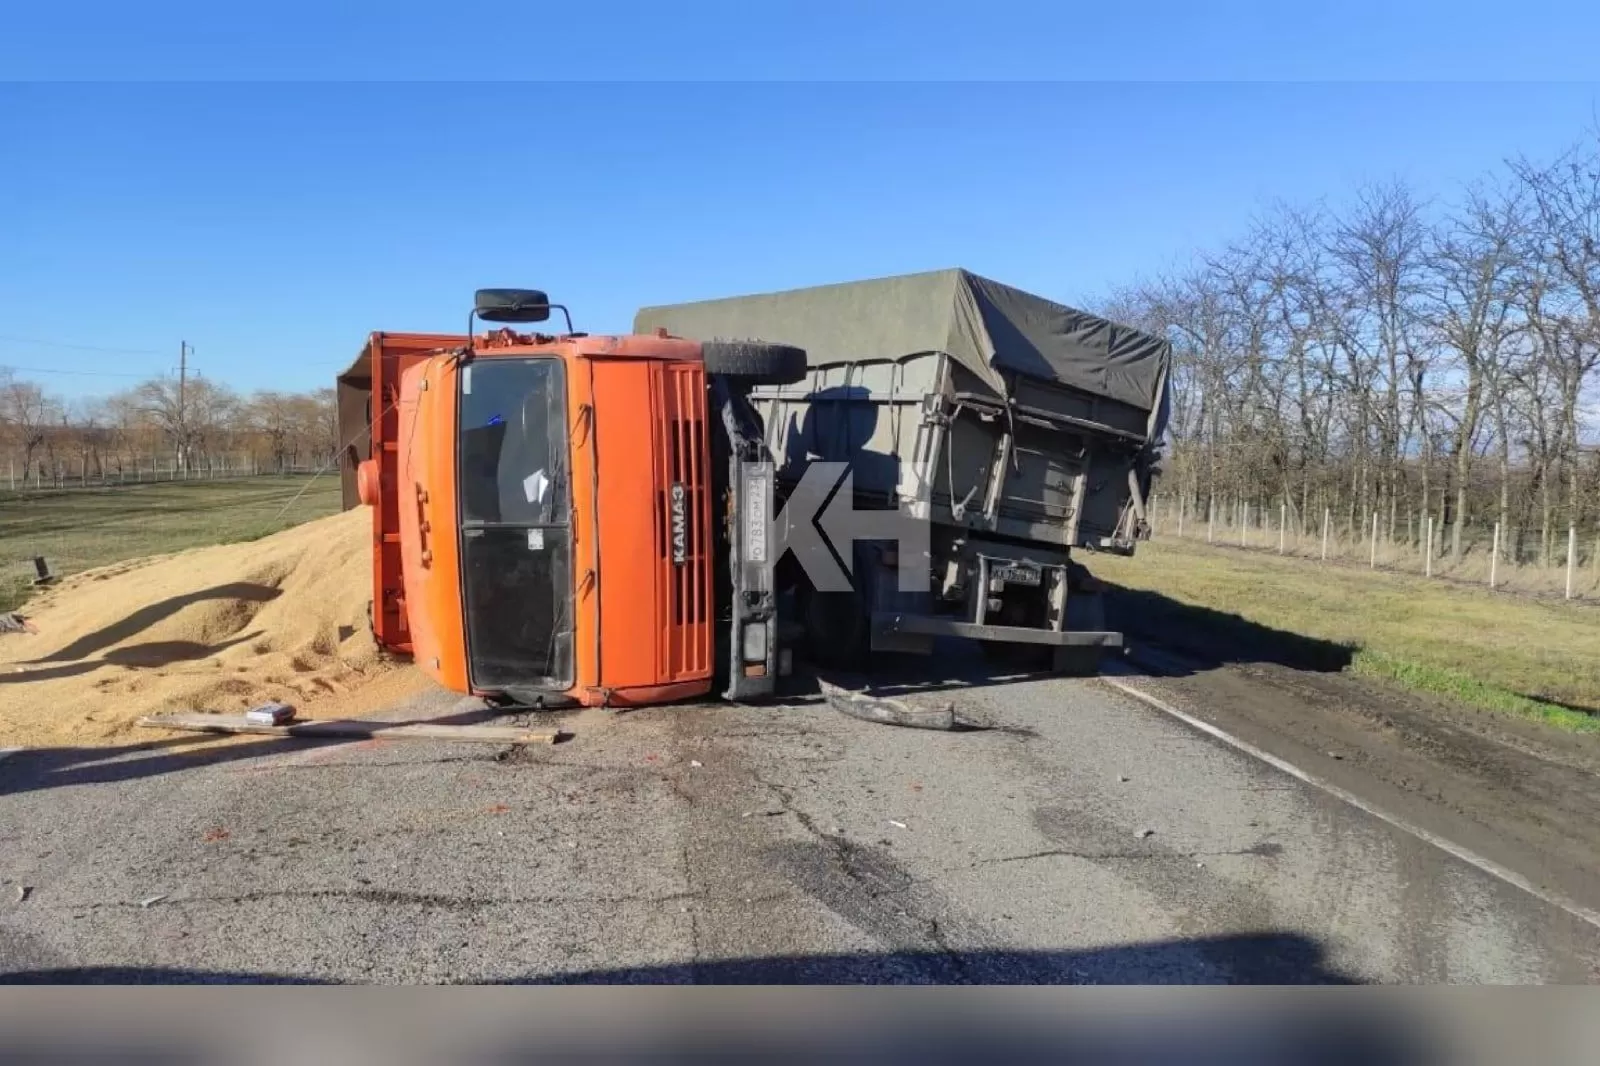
column 1211, row 520
column 1427, row 552
column 1572, row 556
column 1494, row 556
column 1374, row 560
column 11, row 466
column 1327, row 516
column 1183, row 505
column 1283, row 525
column 1244, row 524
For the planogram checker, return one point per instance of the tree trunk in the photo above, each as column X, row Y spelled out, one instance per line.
column 1546, row 506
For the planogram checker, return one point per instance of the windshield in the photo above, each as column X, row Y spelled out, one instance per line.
column 515, row 538
column 513, row 444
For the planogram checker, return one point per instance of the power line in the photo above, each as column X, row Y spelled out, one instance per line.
column 74, row 373
column 80, row 347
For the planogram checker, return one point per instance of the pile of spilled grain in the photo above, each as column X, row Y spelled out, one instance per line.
column 213, row 629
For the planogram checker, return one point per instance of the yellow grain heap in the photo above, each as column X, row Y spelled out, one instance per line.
column 212, row 629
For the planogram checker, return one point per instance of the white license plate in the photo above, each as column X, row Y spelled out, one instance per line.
column 755, row 519
column 1018, row 575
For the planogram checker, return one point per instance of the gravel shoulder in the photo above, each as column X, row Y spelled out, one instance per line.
column 1518, row 793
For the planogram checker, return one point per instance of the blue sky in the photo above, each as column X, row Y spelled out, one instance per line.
column 273, row 223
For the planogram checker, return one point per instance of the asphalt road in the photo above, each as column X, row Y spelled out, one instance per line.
column 1076, row 835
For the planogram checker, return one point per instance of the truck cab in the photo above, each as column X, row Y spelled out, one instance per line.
column 510, row 561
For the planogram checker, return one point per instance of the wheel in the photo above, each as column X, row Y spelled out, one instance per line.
column 755, row 362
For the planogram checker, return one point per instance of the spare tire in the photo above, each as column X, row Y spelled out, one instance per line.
column 755, row 362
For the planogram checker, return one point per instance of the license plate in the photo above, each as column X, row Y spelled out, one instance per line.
column 1017, row 575
column 755, row 519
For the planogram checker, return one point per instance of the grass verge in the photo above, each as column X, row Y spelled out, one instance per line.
column 1534, row 659
column 1470, row 691
column 78, row 529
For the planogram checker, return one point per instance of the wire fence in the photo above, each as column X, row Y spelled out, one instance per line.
column 145, row 471
column 1561, row 562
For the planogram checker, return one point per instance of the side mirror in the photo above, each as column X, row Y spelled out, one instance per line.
column 511, row 305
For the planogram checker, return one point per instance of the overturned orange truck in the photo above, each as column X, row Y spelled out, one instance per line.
column 563, row 518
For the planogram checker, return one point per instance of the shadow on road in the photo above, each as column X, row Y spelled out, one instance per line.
column 1250, row 958
column 1206, row 638
column 39, row 768
column 955, row 665
column 149, row 975
column 32, row 769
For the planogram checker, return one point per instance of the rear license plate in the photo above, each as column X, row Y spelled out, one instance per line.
column 1017, row 575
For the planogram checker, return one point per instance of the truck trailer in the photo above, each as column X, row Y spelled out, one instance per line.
column 614, row 520
column 1017, row 429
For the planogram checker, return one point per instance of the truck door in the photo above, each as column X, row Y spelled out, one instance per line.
column 516, row 567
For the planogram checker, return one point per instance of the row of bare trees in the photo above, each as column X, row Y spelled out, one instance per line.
column 1397, row 357
column 195, row 430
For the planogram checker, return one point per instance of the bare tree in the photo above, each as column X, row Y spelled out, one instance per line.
column 27, row 413
column 1388, row 357
column 1470, row 292
column 1380, row 251
column 1566, row 195
column 196, row 419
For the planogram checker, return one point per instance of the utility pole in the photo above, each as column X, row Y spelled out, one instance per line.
column 183, row 414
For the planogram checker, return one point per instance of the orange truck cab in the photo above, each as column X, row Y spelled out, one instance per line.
column 501, row 468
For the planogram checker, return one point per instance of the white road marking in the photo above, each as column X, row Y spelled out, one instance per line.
column 1449, row 847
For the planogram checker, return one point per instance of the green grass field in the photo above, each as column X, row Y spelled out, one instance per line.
column 77, row 529
column 1534, row 658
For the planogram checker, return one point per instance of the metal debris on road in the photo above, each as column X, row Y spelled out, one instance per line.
column 1123, row 778
column 695, row 763
column 885, row 711
column 274, row 713
column 897, row 825
column 153, row 900
column 23, row 892
column 317, row 730
column 1143, row 833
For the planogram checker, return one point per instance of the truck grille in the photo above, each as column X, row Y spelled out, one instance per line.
column 682, row 518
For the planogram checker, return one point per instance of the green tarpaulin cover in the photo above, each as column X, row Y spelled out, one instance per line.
column 989, row 328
